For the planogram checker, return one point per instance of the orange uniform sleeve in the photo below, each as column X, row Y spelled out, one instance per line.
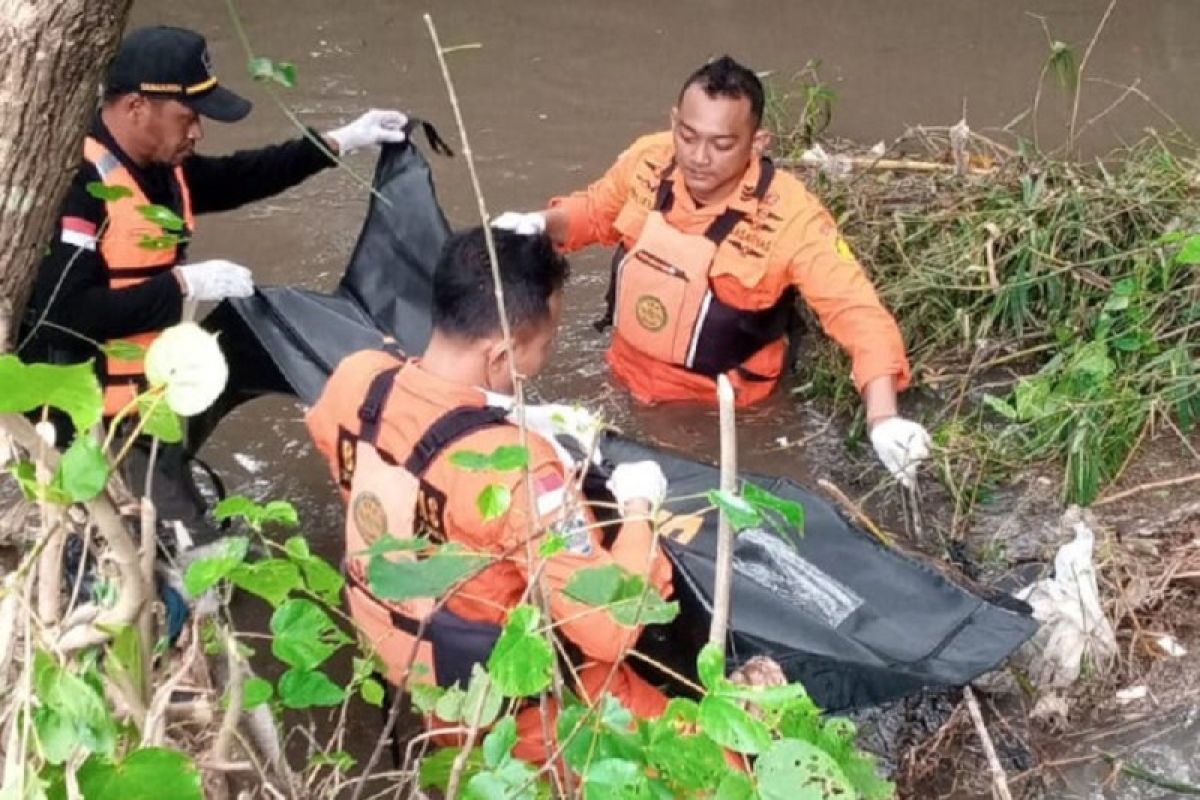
column 592, row 211
column 837, row 289
column 593, row 630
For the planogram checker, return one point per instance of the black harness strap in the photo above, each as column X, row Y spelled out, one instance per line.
column 449, row 428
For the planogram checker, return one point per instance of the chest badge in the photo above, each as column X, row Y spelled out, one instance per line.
column 651, row 313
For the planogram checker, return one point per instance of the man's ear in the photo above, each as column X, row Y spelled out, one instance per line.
column 761, row 141
column 133, row 105
column 496, row 358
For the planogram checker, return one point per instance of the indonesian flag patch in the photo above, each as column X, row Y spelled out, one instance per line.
column 551, row 492
column 79, row 232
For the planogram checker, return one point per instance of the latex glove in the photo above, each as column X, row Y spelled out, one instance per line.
column 526, row 224
column 901, row 445
column 215, row 279
column 638, row 480
column 374, row 127
column 555, row 420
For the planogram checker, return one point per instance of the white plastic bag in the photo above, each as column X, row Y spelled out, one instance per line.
column 1074, row 628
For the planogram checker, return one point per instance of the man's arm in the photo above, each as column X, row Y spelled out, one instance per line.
column 221, row 183
column 72, row 281
column 593, row 629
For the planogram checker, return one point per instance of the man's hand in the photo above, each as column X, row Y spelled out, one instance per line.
column 638, row 481
column 215, row 279
column 901, row 445
column 759, row 671
column 526, row 224
column 374, row 127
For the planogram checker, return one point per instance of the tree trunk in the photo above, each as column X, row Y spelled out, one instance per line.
column 52, row 53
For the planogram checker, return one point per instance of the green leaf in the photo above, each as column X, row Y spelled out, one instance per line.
column 304, row 688
column 322, row 579
column 792, row 769
column 273, row 579
column 71, row 713
column 425, row 696
column 737, row 786
column 449, row 707
column 741, row 514
column 498, row 745
column 164, row 242
column 255, row 692
column 689, row 763
column 72, row 389
column 124, row 658
column 431, row 577
column 435, row 770
column 494, row 501
column 372, row 692
column 729, row 725
column 83, row 470
column 122, row 350
column 160, row 420
column 304, row 635
column 1189, row 254
column 236, row 507
column 280, row 512
column 604, row 731
column 506, row 458
column 162, row 216
column 25, row 474
column 149, row 773
column 339, row 760
column 521, row 662
column 512, row 781
column 760, row 498
column 710, row 665
column 615, row 778
column 390, row 544
column 552, row 545
column 204, row 573
column 256, row 515
column 768, row 698
column 626, row 597
column 264, row 69
column 108, row 194
column 482, row 699
column 510, row 458
column 297, row 548
column 470, row 460
column 1001, row 407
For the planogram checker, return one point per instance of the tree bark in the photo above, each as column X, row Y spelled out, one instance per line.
column 52, row 53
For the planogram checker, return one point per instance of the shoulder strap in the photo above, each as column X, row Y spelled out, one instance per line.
column 370, row 412
column 449, row 428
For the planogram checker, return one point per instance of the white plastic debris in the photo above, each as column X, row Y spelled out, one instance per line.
column 878, row 150
column 1170, row 646
column 1132, row 693
column 1074, row 629
column 835, row 166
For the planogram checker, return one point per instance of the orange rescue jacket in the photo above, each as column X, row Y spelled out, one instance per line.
column 783, row 239
column 385, row 494
column 129, row 262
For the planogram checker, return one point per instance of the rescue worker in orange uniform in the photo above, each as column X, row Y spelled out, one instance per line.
column 112, row 274
column 713, row 243
column 387, row 425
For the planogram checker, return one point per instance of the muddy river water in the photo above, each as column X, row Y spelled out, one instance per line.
column 557, row 89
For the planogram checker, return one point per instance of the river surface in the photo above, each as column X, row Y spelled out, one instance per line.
column 555, row 90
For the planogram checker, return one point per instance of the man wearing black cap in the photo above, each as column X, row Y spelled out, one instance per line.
column 113, row 274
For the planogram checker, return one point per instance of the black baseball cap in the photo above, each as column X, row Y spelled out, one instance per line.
column 173, row 64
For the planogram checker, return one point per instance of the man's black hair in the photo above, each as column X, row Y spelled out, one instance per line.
column 464, row 300
column 725, row 77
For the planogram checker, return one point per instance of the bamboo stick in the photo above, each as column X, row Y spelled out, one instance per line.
column 724, row 574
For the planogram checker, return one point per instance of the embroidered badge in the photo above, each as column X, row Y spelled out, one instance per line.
column 369, row 516
column 651, row 313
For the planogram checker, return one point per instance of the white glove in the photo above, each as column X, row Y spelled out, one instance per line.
column 526, row 224
column 901, row 444
column 551, row 420
column 638, row 480
column 215, row 280
column 374, row 127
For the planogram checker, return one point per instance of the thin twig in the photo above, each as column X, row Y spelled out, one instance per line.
column 719, row 626
column 1087, row 54
column 999, row 781
column 1147, row 487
